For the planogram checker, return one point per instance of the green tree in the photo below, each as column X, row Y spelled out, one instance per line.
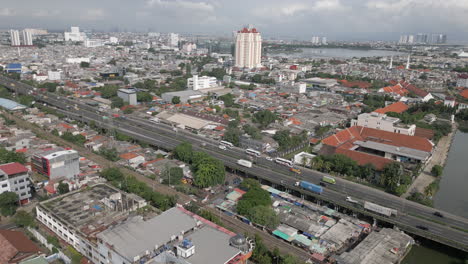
column 84, row 64
column 172, row 175
column 263, row 215
column 108, row 91
column 144, row 97
column 232, row 135
column 437, row 170
column 184, row 152
column 8, row 203
column 255, row 196
column 63, row 188
column 209, row 172
column 391, row 175
column 175, row 100
column 117, row 102
column 23, row 219
column 11, row 156
column 264, row 118
column 110, row 154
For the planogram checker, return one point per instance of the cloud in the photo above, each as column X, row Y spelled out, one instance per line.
column 5, row 11
column 195, row 6
column 45, row 13
column 94, row 14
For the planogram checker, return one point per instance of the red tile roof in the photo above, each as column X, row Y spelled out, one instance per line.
column 128, row 156
column 396, row 89
column 464, row 93
column 398, row 107
column 363, row 158
column 16, row 246
column 13, row 168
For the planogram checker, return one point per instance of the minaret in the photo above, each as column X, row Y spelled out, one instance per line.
column 408, row 63
column 391, row 63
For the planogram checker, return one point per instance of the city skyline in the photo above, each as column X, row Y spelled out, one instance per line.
column 369, row 19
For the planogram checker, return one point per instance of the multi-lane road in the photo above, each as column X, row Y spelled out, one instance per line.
column 410, row 214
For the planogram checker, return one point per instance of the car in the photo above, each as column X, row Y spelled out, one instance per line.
column 351, row 200
column 295, row 170
column 323, row 184
column 269, row 158
column 438, row 214
column 422, row 227
column 222, row 147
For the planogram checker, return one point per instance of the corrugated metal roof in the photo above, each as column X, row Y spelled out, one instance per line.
column 11, row 105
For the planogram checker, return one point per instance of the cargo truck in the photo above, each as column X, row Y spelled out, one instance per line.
column 310, row 187
column 380, row 209
column 245, row 163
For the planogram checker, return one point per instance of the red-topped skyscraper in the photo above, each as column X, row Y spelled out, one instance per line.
column 248, row 48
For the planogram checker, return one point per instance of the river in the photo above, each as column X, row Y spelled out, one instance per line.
column 453, row 188
column 337, row 53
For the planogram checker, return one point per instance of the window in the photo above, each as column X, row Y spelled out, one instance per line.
column 4, row 185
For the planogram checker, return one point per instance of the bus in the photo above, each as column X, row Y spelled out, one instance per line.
column 329, row 180
column 284, row 162
column 226, row 144
column 253, row 152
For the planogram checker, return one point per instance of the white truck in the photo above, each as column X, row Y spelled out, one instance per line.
column 380, row 209
column 245, row 163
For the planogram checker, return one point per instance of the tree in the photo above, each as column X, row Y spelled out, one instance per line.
column 172, row 175
column 117, row 102
column 63, row 188
column 144, row 97
column 209, row 172
column 232, row 135
column 437, row 170
column 255, row 196
column 84, row 64
column 11, row 156
column 184, row 152
column 263, row 215
column 252, row 131
column 390, row 177
column 23, row 219
column 8, row 203
column 264, row 118
column 176, row 100
column 110, row 154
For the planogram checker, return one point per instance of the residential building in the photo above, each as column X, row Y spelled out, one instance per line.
column 75, row 35
column 173, row 40
column 189, row 47
column 92, row 43
column 128, row 95
column 132, row 159
column 15, row 38
column 27, row 38
column 383, row 122
column 378, row 147
column 54, row 75
column 462, row 80
column 14, row 177
column 303, row 158
column 56, row 163
column 398, row 107
column 199, row 83
column 99, row 223
column 37, row 31
column 16, row 247
column 77, row 60
column 248, row 50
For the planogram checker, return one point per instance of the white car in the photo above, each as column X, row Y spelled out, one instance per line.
column 269, row 158
column 222, row 147
column 351, row 200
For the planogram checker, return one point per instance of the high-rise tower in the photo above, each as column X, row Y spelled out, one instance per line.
column 248, row 48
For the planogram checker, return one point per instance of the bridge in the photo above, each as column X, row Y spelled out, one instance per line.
column 450, row 230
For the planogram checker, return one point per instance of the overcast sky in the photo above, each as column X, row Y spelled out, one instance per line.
column 337, row 19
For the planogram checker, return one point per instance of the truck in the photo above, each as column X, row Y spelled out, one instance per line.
column 295, row 170
column 115, row 115
column 245, row 163
column 380, row 209
column 310, row 187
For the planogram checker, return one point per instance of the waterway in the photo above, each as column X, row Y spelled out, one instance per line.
column 318, row 53
column 453, row 188
column 451, row 197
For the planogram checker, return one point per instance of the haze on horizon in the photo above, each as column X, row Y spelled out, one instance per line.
column 336, row 19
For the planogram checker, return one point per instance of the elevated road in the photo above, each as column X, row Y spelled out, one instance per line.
column 447, row 230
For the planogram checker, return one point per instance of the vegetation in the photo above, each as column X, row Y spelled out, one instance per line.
column 63, row 188
column 420, row 198
column 257, row 78
column 84, row 64
column 176, row 100
column 373, row 102
column 207, row 170
column 216, row 72
column 437, row 170
column 252, row 131
column 204, row 213
column 172, row 175
column 232, row 135
column 264, row 118
column 262, row 255
column 11, row 156
column 75, row 139
column 8, row 203
column 144, row 97
column 286, row 140
column 50, row 86
column 132, row 185
column 109, row 154
column 321, row 130
column 228, row 99
column 23, row 219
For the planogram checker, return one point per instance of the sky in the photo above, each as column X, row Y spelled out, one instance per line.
column 301, row 19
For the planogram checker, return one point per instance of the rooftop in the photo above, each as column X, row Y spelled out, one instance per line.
column 398, row 107
column 15, row 246
column 11, row 105
column 13, row 168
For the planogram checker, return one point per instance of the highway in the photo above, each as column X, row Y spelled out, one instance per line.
column 410, row 214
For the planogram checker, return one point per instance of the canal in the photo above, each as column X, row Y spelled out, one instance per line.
column 451, row 197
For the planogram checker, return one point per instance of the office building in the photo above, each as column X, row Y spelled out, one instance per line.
column 56, row 163
column 26, row 38
column 54, row 75
column 173, row 40
column 75, row 35
column 128, row 95
column 316, row 40
column 37, row 31
column 199, row 83
column 15, row 38
column 14, row 177
column 248, row 49
column 93, row 43
column 99, row 224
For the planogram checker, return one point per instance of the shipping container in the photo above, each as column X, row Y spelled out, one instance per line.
column 311, row 187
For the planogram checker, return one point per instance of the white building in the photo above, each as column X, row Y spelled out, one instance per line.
column 189, row 47
column 248, row 48
column 75, row 35
column 92, row 43
column 57, row 163
column 199, row 83
column 113, row 40
column 27, row 38
column 77, row 60
column 15, row 38
column 37, row 31
column 383, row 122
column 54, row 75
column 462, row 80
column 128, row 95
column 303, row 158
column 14, row 177
column 173, row 40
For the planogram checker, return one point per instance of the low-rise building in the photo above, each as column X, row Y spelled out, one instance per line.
column 14, row 177
column 462, row 80
column 16, row 247
column 128, row 95
column 56, row 163
column 383, row 122
column 320, row 83
column 200, row 83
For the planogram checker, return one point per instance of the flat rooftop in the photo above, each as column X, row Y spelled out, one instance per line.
column 91, row 210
